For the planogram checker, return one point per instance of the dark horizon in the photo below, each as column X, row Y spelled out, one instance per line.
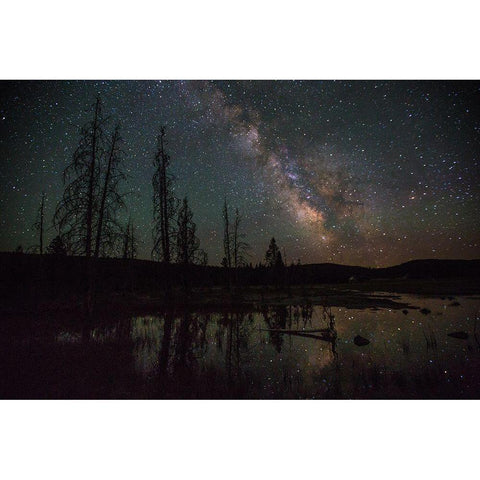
column 262, row 262
column 366, row 173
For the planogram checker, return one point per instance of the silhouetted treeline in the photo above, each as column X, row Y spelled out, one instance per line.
column 53, row 277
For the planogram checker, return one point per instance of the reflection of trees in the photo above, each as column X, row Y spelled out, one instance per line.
column 280, row 318
column 232, row 354
column 300, row 315
column 233, row 335
column 166, row 341
column 184, row 344
column 329, row 317
column 102, row 364
column 307, row 313
column 275, row 318
column 124, row 330
column 184, row 340
column 99, row 330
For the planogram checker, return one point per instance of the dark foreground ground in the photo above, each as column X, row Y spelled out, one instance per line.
column 254, row 343
column 35, row 283
column 315, row 331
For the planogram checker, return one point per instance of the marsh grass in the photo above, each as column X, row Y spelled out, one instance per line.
column 430, row 337
column 405, row 344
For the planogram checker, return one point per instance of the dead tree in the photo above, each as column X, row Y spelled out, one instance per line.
column 76, row 213
column 234, row 246
column 164, row 204
column 227, row 240
column 86, row 216
column 187, row 242
column 240, row 246
column 40, row 223
column 129, row 242
column 92, row 178
column 108, row 229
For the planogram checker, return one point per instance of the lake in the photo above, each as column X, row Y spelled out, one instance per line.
column 297, row 351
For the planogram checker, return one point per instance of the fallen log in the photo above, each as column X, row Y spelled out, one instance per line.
column 280, row 330
column 328, row 335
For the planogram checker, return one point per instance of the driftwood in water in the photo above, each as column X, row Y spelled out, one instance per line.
column 328, row 335
column 279, row 330
column 325, row 337
column 461, row 335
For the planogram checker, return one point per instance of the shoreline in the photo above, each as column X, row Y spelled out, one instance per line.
column 373, row 294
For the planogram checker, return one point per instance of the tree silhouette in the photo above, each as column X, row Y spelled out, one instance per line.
column 129, row 242
column 234, row 247
column 75, row 215
column 164, row 204
column 108, row 230
column 187, row 241
column 202, row 257
column 227, row 240
column 86, row 215
column 240, row 247
column 40, row 223
column 273, row 257
column 57, row 247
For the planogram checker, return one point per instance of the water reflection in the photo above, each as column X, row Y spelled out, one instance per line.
column 273, row 351
column 285, row 320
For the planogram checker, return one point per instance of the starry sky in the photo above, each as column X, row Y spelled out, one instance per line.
column 370, row 173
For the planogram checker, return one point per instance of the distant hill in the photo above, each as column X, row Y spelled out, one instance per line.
column 418, row 269
column 29, row 277
column 434, row 268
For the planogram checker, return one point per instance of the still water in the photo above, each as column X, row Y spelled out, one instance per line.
column 292, row 351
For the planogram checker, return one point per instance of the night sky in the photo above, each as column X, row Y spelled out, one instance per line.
column 358, row 172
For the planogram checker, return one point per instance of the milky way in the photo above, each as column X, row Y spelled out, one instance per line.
column 369, row 173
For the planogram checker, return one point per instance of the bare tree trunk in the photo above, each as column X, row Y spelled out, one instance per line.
column 104, row 193
column 236, row 244
column 42, row 216
column 227, row 247
column 90, row 301
column 164, row 203
column 235, row 239
column 226, row 236
column 126, row 241
column 88, row 246
column 132, row 241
